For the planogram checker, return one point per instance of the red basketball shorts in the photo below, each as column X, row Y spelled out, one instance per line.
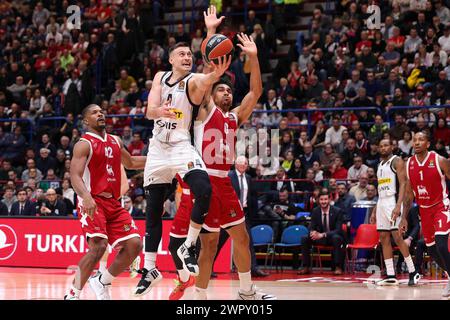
column 435, row 221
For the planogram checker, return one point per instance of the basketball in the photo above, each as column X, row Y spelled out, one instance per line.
column 216, row 46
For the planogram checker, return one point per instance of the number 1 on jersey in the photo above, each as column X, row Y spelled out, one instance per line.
column 421, row 175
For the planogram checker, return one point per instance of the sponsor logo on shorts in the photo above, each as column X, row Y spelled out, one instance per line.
column 232, row 213
column 126, row 227
column 190, row 165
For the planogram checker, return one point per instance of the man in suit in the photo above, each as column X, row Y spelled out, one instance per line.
column 23, row 206
column 128, row 205
column 242, row 184
column 325, row 229
column 3, row 209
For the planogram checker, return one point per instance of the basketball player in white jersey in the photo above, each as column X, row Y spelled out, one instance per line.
column 387, row 213
column 173, row 104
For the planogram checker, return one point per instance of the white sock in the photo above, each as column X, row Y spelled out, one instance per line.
column 183, row 275
column 106, row 278
column 192, row 236
column 150, row 260
column 389, row 267
column 102, row 267
column 410, row 264
column 200, row 294
column 245, row 281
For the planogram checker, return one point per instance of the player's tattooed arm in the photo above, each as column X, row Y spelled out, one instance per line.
column 408, row 199
column 248, row 104
column 445, row 166
column 211, row 20
column 81, row 152
column 154, row 108
column 399, row 166
column 131, row 162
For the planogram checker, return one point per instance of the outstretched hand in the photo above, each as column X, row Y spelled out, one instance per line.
column 220, row 68
column 248, row 46
column 211, row 20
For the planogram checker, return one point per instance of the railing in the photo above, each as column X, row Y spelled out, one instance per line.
column 309, row 111
column 392, row 109
column 31, row 125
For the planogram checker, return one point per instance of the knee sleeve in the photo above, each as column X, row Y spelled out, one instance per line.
column 174, row 244
column 200, row 186
column 155, row 197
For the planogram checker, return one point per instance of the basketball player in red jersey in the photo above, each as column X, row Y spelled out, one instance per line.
column 426, row 174
column 215, row 134
column 96, row 177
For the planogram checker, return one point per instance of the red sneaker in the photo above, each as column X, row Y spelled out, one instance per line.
column 178, row 292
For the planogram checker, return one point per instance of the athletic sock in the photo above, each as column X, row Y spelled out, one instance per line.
column 76, row 292
column 102, row 267
column 200, row 294
column 106, row 277
column 390, row 267
column 245, row 281
column 410, row 264
column 192, row 236
column 183, row 275
column 150, row 260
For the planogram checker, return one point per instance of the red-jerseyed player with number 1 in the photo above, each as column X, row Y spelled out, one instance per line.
column 426, row 173
column 96, row 177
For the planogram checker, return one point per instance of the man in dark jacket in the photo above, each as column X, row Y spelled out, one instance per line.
column 52, row 206
column 325, row 229
column 23, row 206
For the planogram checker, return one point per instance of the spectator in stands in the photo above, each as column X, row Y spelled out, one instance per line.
column 252, row 20
column 333, row 135
column 31, row 163
column 273, row 101
column 23, row 206
column 13, row 146
column 371, row 193
column 377, row 130
column 52, row 206
column 354, row 84
column 45, row 161
column 344, row 201
column 327, row 156
column 405, row 144
column 8, row 197
column 338, row 171
column 68, row 192
column 40, row 15
column 359, row 191
column 118, row 94
column 357, row 169
column 128, row 205
column 6, row 167
column 279, row 184
column 137, row 146
column 349, row 153
column 325, row 229
column 309, row 156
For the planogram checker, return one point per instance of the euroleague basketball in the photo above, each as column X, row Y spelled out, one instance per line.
column 216, row 46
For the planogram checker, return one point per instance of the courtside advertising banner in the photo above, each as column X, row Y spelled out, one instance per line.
column 59, row 243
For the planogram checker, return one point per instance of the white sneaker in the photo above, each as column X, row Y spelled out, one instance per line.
column 134, row 267
column 388, row 281
column 255, row 294
column 148, row 280
column 73, row 294
column 446, row 292
column 101, row 290
column 189, row 259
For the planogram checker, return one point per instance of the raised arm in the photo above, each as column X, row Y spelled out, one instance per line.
column 211, row 21
column 154, row 108
column 81, row 152
column 248, row 104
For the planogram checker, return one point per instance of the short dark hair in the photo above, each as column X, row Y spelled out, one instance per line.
column 426, row 133
column 178, row 45
column 223, row 80
column 86, row 110
column 324, row 192
column 21, row 190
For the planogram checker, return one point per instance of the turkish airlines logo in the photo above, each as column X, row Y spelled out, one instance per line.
column 8, row 242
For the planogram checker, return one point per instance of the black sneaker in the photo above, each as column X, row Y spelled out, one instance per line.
column 388, row 281
column 148, row 280
column 414, row 278
column 188, row 257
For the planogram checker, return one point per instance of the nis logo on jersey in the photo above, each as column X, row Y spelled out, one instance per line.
column 168, row 124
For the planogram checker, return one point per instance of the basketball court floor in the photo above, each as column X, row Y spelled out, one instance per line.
column 51, row 284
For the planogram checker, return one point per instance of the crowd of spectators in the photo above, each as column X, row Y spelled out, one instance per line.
column 50, row 69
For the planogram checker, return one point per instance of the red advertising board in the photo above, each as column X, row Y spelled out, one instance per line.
column 59, row 243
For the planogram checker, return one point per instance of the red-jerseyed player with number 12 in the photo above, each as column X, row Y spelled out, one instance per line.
column 96, row 177
column 426, row 172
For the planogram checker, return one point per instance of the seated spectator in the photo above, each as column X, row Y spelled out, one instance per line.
column 309, row 156
column 405, row 145
column 279, row 184
column 68, row 192
column 13, row 146
column 325, row 229
column 391, row 56
column 344, row 201
column 8, row 197
column 3, row 209
column 23, row 206
column 333, row 134
column 125, row 80
column 354, row 84
column 359, row 191
column 45, row 161
column 327, row 156
column 128, row 205
column 377, row 130
column 136, row 147
column 69, row 204
column 288, row 161
column 31, row 163
column 372, row 176
column 371, row 193
column 357, row 169
column 318, row 172
column 52, row 206
column 337, row 170
column 350, row 152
